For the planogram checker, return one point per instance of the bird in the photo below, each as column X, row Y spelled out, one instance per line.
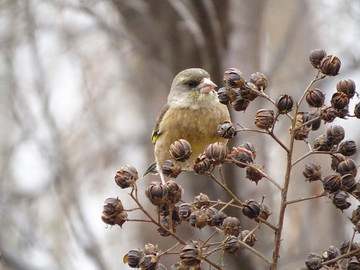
column 192, row 112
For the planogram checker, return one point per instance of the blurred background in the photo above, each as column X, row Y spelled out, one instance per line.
column 81, row 84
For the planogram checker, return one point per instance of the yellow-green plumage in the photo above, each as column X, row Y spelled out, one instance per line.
column 192, row 112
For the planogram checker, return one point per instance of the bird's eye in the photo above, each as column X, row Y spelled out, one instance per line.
column 192, row 83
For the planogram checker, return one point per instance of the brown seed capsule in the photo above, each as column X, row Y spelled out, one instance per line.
column 316, row 56
column 328, row 114
column 339, row 200
column 344, row 246
column 157, row 193
column 313, row 261
column 302, row 131
column 335, row 160
column 260, row 80
column 223, row 95
column 180, row 150
column 203, row 165
column 347, row 166
column 198, row 219
column 210, row 212
column 264, row 118
column 148, row 262
column 315, row 97
column 185, row 210
column 226, row 130
column 174, row 191
column 339, row 100
column 251, row 209
column 331, row 253
column 233, row 78
column 171, row 169
column 322, row 143
column 254, row 173
column 343, row 113
column 151, row 249
column 113, row 212
column 335, row 134
column 216, row 152
column 357, row 110
column 332, row 183
column 201, row 200
column 218, row 218
column 313, row 119
column 231, row 244
column 126, row 176
column 284, row 104
column 312, row 172
column 249, row 146
column 264, row 213
column 347, row 148
column 231, row 226
column 330, row 65
column 190, row 254
column 241, row 156
column 249, row 91
column 348, row 183
column 240, row 103
column 247, row 237
column 346, row 86
column 133, row 257
column 353, row 264
column 355, row 217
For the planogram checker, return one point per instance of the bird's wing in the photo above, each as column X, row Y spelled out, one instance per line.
column 156, row 131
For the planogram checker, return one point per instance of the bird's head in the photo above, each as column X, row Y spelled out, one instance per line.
column 191, row 86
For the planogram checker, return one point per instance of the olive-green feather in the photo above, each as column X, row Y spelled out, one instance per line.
column 156, row 131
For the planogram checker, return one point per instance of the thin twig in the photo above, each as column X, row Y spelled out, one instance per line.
column 306, row 199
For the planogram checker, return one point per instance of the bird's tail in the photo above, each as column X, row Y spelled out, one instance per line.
column 151, row 169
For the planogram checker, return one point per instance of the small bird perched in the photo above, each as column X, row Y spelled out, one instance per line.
column 192, row 112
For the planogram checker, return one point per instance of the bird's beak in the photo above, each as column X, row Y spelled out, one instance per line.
column 206, row 86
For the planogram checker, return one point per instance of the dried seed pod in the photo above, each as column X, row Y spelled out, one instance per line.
column 113, row 212
column 347, row 148
column 126, row 176
column 249, row 146
column 231, row 226
column 231, row 244
column 339, row 200
column 233, row 78
column 348, row 183
column 260, row 80
column 335, row 160
column 151, row 249
column 249, row 91
column 346, row 86
column 357, row 110
column 339, row 100
column 180, row 150
column 133, row 257
column 313, row 261
column 218, row 218
column 190, row 254
column 203, row 165
column 241, row 156
column 185, row 209
column 148, row 262
column 355, row 216
column 302, row 131
column 254, row 173
column 330, row 65
column 170, row 169
column 344, row 246
column 332, row 183
column 347, row 166
column 223, row 95
column 264, row 213
column 328, row 114
column 201, row 200
column 210, row 212
column 251, row 209
column 216, row 152
column 316, row 56
column 174, row 191
column 240, row 103
column 157, row 193
column 315, row 97
column 322, row 143
column 264, row 118
column 226, row 130
column 247, row 237
column 313, row 120
column 198, row 219
column 312, row 172
column 331, row 253
column 284, row 104
column 353, row 264
column 335, row 134
column 343, row 113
